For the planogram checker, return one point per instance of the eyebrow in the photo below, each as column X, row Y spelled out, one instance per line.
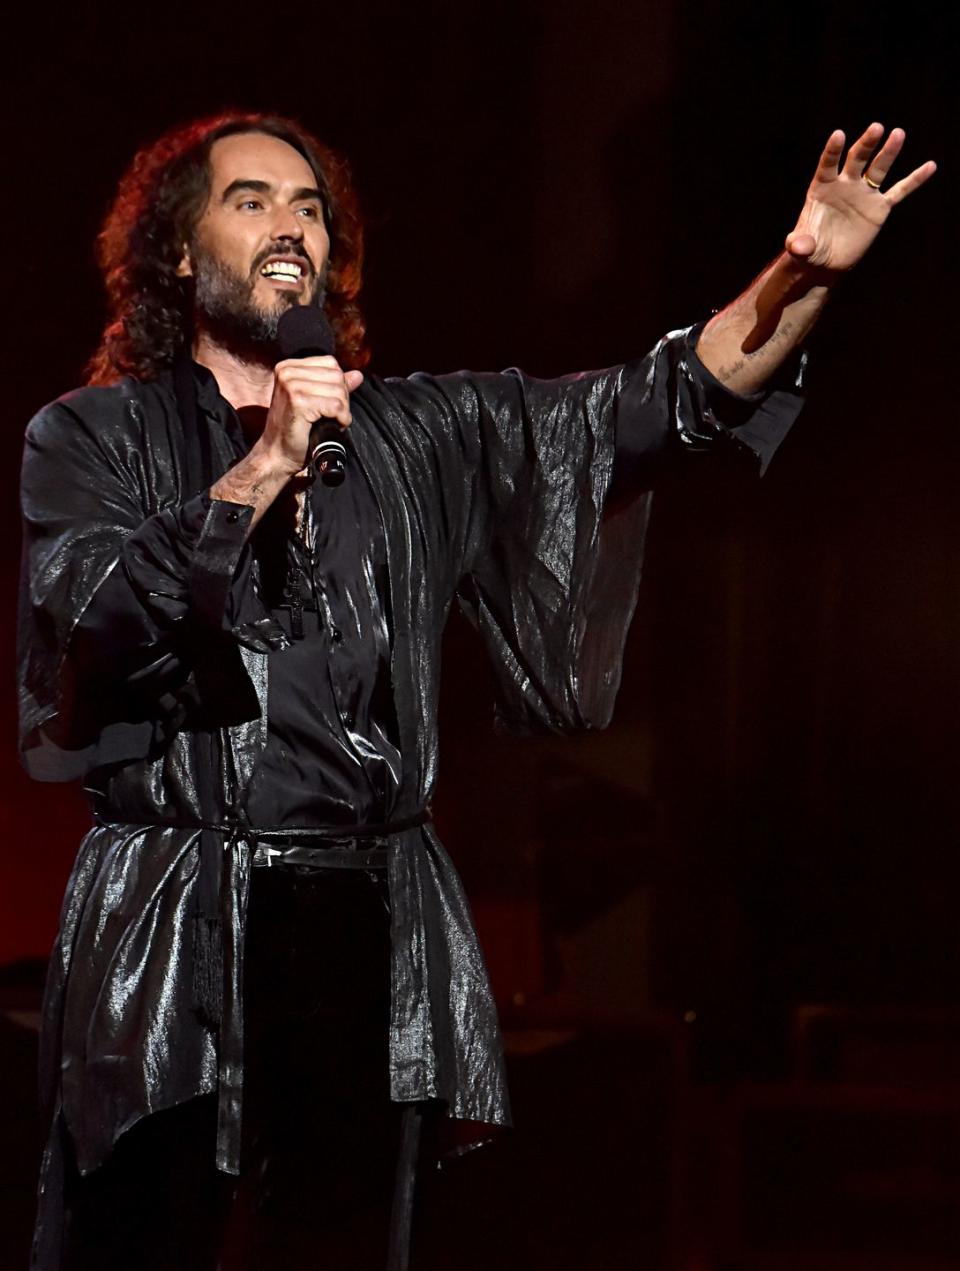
column 264, row 187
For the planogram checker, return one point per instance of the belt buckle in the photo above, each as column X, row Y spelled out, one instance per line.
column 264, row 854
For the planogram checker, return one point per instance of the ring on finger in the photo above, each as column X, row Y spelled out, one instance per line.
column 874, row 185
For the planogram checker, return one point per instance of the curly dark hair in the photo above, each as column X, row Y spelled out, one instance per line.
column 156, row 209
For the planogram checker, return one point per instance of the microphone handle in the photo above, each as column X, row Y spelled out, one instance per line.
column 328, row 455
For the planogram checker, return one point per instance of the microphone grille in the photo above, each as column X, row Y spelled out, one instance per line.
column 303, row 331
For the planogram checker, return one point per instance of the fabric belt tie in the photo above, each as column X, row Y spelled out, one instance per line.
column 321, row 857
column 334, row 848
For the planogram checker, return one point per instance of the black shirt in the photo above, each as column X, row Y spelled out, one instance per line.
column 331, row 755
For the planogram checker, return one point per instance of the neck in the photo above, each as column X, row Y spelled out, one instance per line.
column 242, row 382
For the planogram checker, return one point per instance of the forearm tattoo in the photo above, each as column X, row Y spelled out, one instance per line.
column 782, row 333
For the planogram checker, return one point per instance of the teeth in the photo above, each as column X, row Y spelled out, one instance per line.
column 281, row 269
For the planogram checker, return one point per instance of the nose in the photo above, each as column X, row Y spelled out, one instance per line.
column 286, row 225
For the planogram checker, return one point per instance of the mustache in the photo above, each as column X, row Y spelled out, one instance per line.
column 284, row 249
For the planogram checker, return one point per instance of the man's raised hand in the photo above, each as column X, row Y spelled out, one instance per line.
column 846, row 206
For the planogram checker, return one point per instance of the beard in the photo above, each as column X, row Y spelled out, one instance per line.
column 225, row 307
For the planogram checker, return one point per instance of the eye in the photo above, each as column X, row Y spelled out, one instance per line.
column 310, row 212
column 250, row 203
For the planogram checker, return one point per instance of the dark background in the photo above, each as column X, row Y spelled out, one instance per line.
column 770, row 824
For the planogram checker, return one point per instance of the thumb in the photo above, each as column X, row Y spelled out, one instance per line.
column 800, row 245
column 353, row 379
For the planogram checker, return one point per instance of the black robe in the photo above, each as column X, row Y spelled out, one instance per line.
column 493, row 490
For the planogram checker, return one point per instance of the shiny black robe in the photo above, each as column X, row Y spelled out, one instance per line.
column 494, row 490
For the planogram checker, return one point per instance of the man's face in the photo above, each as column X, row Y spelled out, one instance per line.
column 260, row 245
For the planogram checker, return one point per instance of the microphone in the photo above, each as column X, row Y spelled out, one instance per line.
column 303, row 331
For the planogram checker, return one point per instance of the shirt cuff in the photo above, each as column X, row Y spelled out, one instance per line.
column 755, row 422
column 216, row 554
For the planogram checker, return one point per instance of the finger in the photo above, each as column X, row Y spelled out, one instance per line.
column 882, row 161
column 338, row 409
column 293, row 382
column 353, row 380
column 829, row 163
column 325, row 407
column 310, row 381
column 312, row 403
column 326, row 361
column 335, row 404
column 328, row 412
column 293, row 373
column 919, row 176
column 317, row 360
column 858, row 156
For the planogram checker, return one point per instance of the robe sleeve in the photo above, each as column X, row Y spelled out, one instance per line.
column 554, row 555
column 110, row 593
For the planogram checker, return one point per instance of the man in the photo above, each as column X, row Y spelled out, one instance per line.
column 264, row 950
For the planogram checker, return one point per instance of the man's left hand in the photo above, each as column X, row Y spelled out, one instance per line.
column 846, row 207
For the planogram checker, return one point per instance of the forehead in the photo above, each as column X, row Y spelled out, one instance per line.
column 255, row 156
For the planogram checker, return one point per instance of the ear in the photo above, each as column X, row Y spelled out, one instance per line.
column 185, row 268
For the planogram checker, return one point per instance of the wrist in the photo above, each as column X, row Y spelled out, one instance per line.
column 256, row 480
column 803, row 276
column 273, row 460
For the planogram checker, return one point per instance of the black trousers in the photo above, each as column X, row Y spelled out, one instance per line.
column 320, row 1135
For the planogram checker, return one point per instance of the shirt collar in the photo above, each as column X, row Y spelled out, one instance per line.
column 212, row 404
column 209, row 398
